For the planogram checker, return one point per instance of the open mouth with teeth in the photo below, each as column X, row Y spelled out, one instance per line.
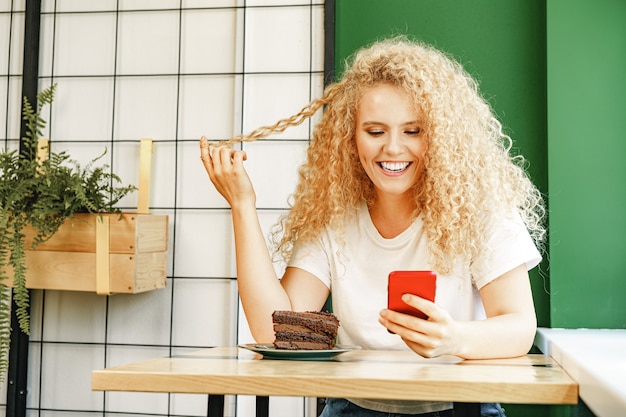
column 394, row 167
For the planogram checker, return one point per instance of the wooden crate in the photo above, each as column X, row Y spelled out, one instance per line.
column 102, row 253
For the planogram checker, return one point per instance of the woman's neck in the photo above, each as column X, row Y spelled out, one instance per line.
column 392, row 216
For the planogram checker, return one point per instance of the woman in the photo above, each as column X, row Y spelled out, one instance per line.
column 408, row 170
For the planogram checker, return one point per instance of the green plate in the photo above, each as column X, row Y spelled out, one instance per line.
column 270, row 352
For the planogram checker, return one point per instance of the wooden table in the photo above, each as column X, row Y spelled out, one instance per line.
column 531, row 379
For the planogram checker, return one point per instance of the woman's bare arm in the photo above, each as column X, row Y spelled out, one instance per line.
column 260, row 290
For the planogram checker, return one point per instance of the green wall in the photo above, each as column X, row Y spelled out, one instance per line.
column 501, row 43
column 586, row 152
column 554, row 71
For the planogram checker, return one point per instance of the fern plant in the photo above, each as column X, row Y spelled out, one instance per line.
column 42, row 194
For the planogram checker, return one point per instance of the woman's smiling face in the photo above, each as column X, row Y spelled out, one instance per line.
column 390, row 140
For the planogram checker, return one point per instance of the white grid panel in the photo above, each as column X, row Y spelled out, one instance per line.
column 170, row 70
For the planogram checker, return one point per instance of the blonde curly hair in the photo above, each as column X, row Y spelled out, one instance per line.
column 470, row 177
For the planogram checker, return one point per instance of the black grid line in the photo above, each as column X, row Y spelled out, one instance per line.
column 105, row 355
column 170, row 74
column 43, row 296
column 176, row 131
column 239, row 319
column 12, row 16
column 245, row 6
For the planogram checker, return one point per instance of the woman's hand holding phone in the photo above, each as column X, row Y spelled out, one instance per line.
column 412, row 314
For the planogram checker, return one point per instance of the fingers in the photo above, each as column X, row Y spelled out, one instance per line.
column 227, row 172
column 401, row 323
column 428, row 338
column 205, row 154
column 223, row 164
column 405, row 324
column 414, row 331
column 211, row 153
column 425, row 306
column 208, row 151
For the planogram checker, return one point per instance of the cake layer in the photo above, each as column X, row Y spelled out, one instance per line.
column 306, row 337
column 318, row 322
column 304, row 330
column 291, row 328
column 300, row 345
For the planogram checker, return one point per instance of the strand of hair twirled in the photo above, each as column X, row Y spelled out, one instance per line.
column 281, row 125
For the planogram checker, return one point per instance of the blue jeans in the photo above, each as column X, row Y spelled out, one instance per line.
column 491, row 410
column 339, row 407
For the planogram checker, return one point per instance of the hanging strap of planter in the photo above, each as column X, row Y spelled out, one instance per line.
column 103, row 269
column 145, row 170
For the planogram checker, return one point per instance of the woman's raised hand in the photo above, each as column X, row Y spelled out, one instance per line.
column 225, row 168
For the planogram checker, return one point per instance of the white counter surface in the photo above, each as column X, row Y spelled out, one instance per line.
column 596, row 360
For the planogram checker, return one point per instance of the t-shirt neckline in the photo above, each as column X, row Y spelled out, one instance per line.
column 375, row 235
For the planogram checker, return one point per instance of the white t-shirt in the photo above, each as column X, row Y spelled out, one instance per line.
column 355, row 269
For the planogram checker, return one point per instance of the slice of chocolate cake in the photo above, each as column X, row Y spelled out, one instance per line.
column 310, row 330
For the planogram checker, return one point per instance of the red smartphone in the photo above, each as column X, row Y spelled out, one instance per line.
column 420, row 283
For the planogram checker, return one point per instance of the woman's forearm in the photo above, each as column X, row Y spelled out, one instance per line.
column 504, row 336
column 259, row 287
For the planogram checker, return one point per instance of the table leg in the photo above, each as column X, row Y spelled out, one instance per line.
column 466, row 409
column 262, row 406
column 216, row 405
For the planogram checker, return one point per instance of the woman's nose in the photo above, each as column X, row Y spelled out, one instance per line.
column 394, row 143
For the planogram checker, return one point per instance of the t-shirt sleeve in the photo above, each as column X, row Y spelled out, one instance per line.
column 509, row 246
column 313, row 258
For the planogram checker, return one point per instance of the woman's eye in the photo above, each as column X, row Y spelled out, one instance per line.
column 375, row 132
column 413, row 132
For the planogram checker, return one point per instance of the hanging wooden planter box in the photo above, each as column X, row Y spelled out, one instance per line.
column 105, row 254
